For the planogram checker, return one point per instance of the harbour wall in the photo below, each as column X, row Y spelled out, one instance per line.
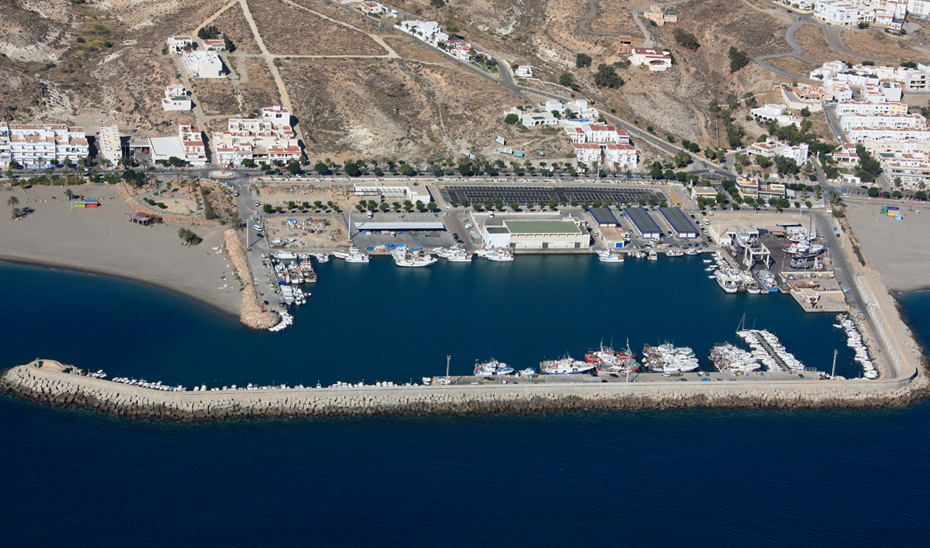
column 81, row 392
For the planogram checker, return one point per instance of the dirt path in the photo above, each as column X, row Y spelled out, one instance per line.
column 391, row 54
column 214, row 17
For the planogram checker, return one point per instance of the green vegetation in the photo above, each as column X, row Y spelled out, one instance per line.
column 210, row 32
column 267, row 209
column 738, row 59
column 189, row 237
column 437, row 3
column 582, row 60
column 566, row 79
column 869, row 167
column 322, row 169
column 512, row 118
column 686, row 39
column 606, row 76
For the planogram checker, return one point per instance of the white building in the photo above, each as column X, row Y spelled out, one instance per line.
column 773, row 148
column 372, row 8
column 846, row 156
column 430, row 31
column 604, row 144
column 587, row 153
column 203, row 64
column 875, row 121
column 920, row 8
column 912, row 169
column 110, row 147
column 214, row 44
column 846, row 108
column 620, row 156
column 176, row 44
column 656, row 59
column 268, row 138
column 5, row 154
column 523, row 71
column 884, row 134
column 37, row 145
column 837, row 12
column 187, row 145
column 541, row 234
column 774, row 112
column 176, row 98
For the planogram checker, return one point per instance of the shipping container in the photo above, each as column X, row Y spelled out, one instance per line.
column 79, row 204
column 892, row 208
column 884, row 210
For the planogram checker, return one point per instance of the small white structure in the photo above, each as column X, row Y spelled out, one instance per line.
column 523, row 71
column 176, row 44
column 774, row 113
column 372, row 8
column 214, row 44
column 203, row 64
column 846, row 156
column 176, row 98
column 541, row 234
column 656, row 59
column 429, row 31
column 110, row 148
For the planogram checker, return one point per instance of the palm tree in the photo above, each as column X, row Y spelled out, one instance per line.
column 12, row 201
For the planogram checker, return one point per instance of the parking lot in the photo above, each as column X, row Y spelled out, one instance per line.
column 525, row 195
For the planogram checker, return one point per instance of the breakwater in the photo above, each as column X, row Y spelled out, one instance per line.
column 52, row 384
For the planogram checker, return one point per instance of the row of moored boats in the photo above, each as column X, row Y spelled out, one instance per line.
column 854, row 340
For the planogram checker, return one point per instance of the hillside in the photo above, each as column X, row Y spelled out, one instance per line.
column 362, row 89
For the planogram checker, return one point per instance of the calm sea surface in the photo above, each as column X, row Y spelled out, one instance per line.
column 707, row 478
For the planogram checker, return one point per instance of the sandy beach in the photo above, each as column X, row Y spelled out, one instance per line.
column 898, row 250
column 102, row 240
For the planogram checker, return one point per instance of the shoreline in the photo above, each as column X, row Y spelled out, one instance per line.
column 54, row 385
column 133, row 278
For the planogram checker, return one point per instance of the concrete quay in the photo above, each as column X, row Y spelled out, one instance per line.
column 52, row 385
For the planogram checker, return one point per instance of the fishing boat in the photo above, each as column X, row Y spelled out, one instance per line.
column 608, row 360
column 609, row 256
column 284, row 255
column 732, row 359
column 414, row 258
column 768, row 280
column 565, row 366
column 492, row 368
column 497, row 254
column 667, row 358
column 653, row 256
column 321, row 257
column 457, row 254
column 352, row 255
column 674, row 252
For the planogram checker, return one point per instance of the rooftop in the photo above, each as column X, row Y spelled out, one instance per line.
column 542, row 227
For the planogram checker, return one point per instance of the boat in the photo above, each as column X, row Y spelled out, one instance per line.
column 492, row 368
column 609, row 256
column 728, row 358
column 692, row 251
column 455, row 254
column 321, row 257
column 498, row 254
column 284, row 255
column 306, row 270
column 653, row 256
column 565, row 366
column 667, row 358
column 286, row 321
column 607, row 360
column 674, row 252
column 767, row 279
column 413, row 258
column 728, row 279
column 352, row 255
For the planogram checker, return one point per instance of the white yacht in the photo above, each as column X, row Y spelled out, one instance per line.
column 413, row 258
column 352, row 255
column 728, row 279
column 609, row 256
column 284, row 255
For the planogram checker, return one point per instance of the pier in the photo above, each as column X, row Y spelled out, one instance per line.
column 48, row 382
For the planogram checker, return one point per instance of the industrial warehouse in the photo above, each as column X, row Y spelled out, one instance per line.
column 549, row 234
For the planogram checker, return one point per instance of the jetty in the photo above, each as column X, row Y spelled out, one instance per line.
column 53, row 383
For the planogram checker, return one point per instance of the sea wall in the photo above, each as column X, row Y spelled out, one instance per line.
column 76, row 391
column 250, row 311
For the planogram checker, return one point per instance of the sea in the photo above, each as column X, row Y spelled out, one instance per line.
column 668, row 478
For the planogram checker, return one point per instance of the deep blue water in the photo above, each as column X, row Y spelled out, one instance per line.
column 706, row 478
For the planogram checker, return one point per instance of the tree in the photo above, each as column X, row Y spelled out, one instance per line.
column 293, row 168
column 582, row 60
column 606, row 76
column 431, row 206
column 209, row 32
column 465, row 169
column 682, row 159
column 437, row 3
column 267, row 209
column 16, row 213
column 685, row 39
column 511, row 119
column 322, row 169
column 407, row 171
column 248, row 162
column 352, row 169
column 738, row 59
column 786, row 166
column 805, row 112
column 566, row 79
column 228, row 44
column 189, row 237
column 514, row 206
column 12, row 201
column 732, row 100
column 869, row 167
column 419, row 205
column 749, row 99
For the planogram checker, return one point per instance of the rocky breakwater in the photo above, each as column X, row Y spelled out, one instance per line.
column 250, row 311
column 55, row 385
